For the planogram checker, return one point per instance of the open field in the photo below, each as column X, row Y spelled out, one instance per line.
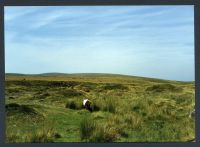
column 48, row 108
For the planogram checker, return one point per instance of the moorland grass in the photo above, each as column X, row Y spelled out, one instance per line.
column 125, row 109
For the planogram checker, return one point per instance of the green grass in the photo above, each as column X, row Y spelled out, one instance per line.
column 87, row 127
column 48, row 108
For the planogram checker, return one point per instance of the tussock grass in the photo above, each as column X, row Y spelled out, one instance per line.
column 109, row 105
column 103, row 134
column 125, row 109
column 134, row 121
column 42, row 136
column 92, row 132
column 87, row 126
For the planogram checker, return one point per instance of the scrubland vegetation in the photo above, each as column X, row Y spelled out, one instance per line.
column 48, row 108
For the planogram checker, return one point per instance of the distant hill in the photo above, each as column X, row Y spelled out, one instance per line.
column 97, row 75
column 15, row 74
column 68, row 74
column 42, row 74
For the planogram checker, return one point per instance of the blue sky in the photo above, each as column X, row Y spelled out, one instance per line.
column 148, row 41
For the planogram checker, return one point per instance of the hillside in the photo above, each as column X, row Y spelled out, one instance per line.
column 48, row 108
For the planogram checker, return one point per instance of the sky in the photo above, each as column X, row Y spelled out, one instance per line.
column 147, row 41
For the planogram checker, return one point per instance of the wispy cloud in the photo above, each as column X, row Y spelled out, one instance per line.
column 152, row 41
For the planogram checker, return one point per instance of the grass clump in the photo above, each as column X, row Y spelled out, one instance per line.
column 87, row 126
column 133, row 121
column 109, row 105
column 42, row 136
column 93, row 132
column 104, row 134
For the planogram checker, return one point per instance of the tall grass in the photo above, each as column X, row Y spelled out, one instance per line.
column 90, row 131
column 43, row 135
column 87, row 127
column 104, row 134
column 128, row 109
column 109, row 105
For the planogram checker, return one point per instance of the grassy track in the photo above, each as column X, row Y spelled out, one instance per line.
column 48, row 108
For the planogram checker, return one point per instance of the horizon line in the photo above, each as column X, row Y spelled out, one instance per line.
column 97, row 73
